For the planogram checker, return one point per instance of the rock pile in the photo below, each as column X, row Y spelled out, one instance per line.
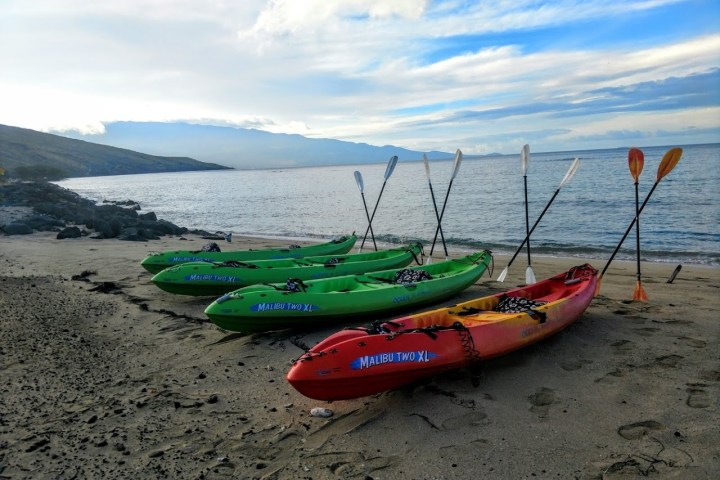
column 53, row 208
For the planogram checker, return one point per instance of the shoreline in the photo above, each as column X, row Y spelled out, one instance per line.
column 108, row 376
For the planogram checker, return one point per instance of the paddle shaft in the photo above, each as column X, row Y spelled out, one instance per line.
column 442, row 213
column 367, row 214
column 627, row 232
column 437, row 217
column 527, row 237
column 373, row 216
column 527, row 221
column 637, row 229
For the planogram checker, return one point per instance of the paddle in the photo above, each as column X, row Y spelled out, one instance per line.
column 432, row 194
column 456, row 167
column 388, row 171
column 636, row 161
column 571, row 171
column 524, row 160
column 670, row 159
column 361, row 186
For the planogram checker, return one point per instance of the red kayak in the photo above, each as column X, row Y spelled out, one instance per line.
column 355, row 363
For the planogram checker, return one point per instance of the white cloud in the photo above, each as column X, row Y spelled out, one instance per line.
column 364, row 70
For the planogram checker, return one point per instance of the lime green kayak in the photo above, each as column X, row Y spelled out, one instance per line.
column 156, row 262
column 307, row 304
column 204, row 278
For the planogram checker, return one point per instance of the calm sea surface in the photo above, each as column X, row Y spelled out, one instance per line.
column 485, row 208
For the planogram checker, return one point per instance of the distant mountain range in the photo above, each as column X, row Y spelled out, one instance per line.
column 244, row 148
column 23, row 150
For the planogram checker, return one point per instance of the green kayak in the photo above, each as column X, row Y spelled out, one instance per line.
column 156, row 262
column 306, row 304
column 204, row 278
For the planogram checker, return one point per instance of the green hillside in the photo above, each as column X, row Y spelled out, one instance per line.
column 27, row 153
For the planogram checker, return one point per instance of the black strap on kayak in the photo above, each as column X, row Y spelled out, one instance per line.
column 208, row 247
column 377, row 327
column 293, row 285
column 410, row 249
column 234, row 264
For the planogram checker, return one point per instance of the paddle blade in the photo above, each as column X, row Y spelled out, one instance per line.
column 456, row 164
column 529, row 276
column 639, row 294
column 597, row 285
column 525, row 158
column 503, row 274
column 636, row 161
column 391, row 166
column 670, row 159
column 571, row 171
column 427, row 166
column 428, row 260
column 359, row 181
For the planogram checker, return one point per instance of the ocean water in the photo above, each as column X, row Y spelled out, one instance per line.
column 485, row 207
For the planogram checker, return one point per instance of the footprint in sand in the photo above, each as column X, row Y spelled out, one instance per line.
column 646, row 332
column 571, row 365
column 693, row 342
column 698, row 397
column 541, row 400
column 622, row 346
column 633, row 431
column 669, row 360
column 475, row 418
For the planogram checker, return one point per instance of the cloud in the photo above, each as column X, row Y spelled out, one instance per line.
column 419, row 74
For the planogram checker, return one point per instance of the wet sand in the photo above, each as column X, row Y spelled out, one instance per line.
column 106, row 376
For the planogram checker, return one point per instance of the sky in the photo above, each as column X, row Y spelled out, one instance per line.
column 481, row 76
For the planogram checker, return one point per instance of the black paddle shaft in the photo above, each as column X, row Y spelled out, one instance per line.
column 373, row 216
column 438, row 218
column 527, row 220
column 442, row 213
column 527, row 237
column 367, row 214
column 627, row 232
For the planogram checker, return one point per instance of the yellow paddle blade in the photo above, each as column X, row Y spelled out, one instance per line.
column 639, row 294
column 636, row 161
column 670, row 159
column 597, row 285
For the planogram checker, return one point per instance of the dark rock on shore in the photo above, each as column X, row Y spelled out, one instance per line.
column 58, row 209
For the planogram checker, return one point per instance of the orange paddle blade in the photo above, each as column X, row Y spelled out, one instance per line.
column 670, row 159
column 636, row 161
column 639, row 294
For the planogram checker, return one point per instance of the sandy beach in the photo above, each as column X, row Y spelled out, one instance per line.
column 106, row 376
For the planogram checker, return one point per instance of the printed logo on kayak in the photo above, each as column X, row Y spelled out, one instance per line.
column 189, row 259
column 285, row 306
column 415, row 356
column 212, row 278
column 410, row 296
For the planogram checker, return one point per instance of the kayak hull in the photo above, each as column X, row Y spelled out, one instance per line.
column 360, row 362
column 269, row 307
column 206, row 278
column 156, row 262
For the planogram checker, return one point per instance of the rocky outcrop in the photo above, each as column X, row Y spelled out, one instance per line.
column 60, row 210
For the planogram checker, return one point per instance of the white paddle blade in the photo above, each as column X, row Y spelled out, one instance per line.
column 391, row 166
column 503, row 274
column 571, row 171
column 427, row 166
column 428, row 260
column 525, row 158
column 529, row 276
column 456, row 164
column 359, row 181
